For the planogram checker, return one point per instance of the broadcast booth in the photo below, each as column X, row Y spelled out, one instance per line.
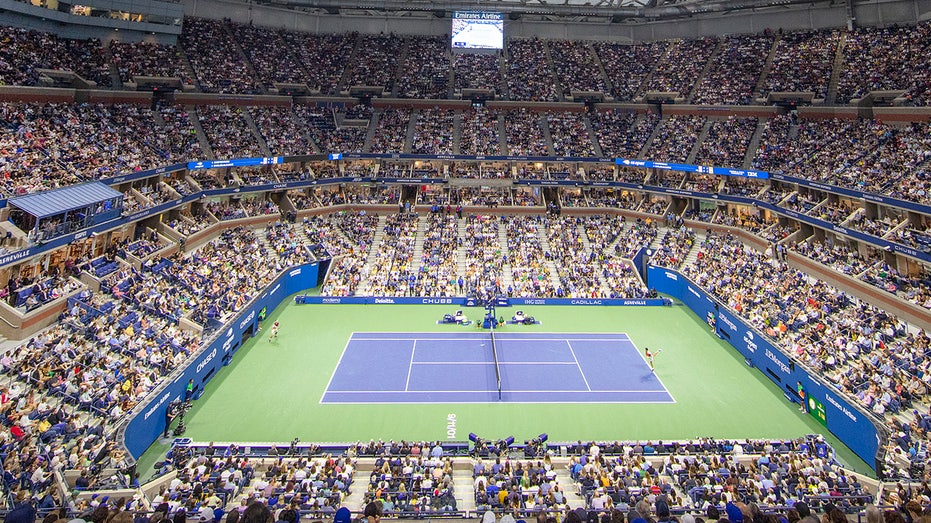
column 48, row 214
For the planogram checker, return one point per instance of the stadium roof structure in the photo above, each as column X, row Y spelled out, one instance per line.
column 58, row 201
column 555, row 10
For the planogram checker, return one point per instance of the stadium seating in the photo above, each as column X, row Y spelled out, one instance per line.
column 111, row 348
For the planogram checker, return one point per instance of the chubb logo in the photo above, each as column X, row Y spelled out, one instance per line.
column 748, row 339
column 246, row 320
column 207, row 360
column 438, row 301
column 384, row 300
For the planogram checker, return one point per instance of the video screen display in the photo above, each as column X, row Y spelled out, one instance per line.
column 477, row 30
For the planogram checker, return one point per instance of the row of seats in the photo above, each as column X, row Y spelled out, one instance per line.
column 226, row 57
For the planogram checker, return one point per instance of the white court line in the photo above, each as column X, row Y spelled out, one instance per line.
column 655, row 375
column 497, row 335
column 333, row 374
column 479, row 334
column 579, row 366
column 509, row 402
column 492, row 363
column 410, row 366
column 534, row 391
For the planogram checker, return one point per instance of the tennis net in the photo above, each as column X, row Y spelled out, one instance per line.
column 494, row 353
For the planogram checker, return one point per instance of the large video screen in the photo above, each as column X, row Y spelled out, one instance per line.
column 477, row 30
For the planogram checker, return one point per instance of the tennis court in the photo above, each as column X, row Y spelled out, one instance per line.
column 465, row 367
column 281, row 389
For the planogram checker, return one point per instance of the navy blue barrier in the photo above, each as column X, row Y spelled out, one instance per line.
column 148, row 421
column 849, row 422
column 471, row 302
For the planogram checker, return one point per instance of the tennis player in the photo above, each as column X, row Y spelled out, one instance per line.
column 649, row 356
column 273, row 333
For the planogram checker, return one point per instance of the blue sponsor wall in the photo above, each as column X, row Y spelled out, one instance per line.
column 149, row 423
column 846, row 421
column 471, row 302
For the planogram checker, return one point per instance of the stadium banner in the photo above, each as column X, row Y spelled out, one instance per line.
column 465, row 157
column 847, row 421
column 233, row 162
column 148, row 420
column 689, row 168
column 611, row 302
column 139, row 175
column 471, row 302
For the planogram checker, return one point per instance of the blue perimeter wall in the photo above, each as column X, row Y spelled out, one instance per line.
column 471, row 302
column 846, row 421
column 149, row 422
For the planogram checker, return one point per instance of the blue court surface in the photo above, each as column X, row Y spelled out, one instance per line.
column 431, row 367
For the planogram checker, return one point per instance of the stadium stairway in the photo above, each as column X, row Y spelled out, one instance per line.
column 159, row 121
column 836, row 70
column 609, row 86
column 241, row 53
column 114, row 71
column 658, row 240
column 567, row 484
column 506, row 270
column 422, row 224
column 461, row 258
column 305, row 131
column 250, row 122
column 702, row 135
column 372, row 258
column 692, row 255
column 199, row 129
column 587, row 249
column 370, row 134
column 551, row 67
column 620, row 237
column 649, row 141
column 709, row 65
column 344, row 79
column 463, row 485
column 188, row 68
column 754, row 143
column 649, row 78
column 502, row 135
column 355, row 501
column 767, row 67
column 457, row 132
column 550, row 264
column 591, row 134
column 411, row 130
column 544, row 124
